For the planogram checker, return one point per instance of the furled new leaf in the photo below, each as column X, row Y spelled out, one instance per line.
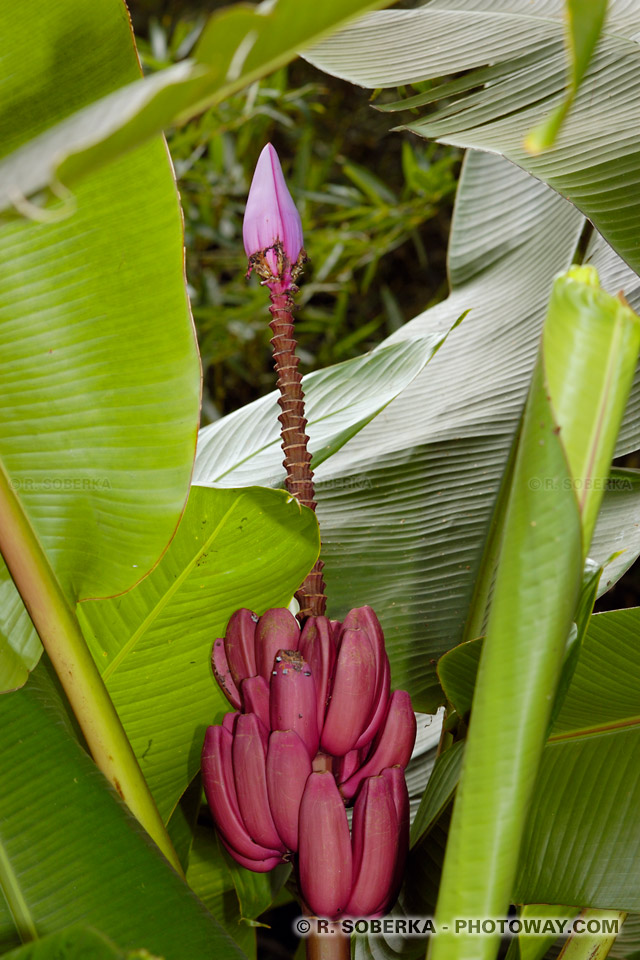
column 587, row 359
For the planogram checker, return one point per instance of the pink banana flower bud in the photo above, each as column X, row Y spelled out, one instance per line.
column 272, row 230
column 324, row 857
column 293, row 704
column 393, row 745
column 375, row 847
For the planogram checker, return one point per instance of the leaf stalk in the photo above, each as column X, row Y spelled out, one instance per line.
column 60, row 633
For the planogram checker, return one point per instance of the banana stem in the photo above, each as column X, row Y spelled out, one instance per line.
column 593, row 946
column 330, row 946
column 59, row 630
column 297, row 459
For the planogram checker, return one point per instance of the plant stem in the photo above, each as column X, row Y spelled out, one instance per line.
column 297, row 459
column 330, row 946
column 58, row 628
column 592, row 946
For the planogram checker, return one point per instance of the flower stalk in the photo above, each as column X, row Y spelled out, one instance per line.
column 272, row 234
column 315, row 727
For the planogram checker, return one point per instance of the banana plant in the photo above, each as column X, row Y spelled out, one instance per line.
column 457, row 480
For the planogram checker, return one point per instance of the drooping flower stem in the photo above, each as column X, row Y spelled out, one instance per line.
column 297, row 459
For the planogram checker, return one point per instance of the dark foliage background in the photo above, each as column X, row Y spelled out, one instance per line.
column 376, row 240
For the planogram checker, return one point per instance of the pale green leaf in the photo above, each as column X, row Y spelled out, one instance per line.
column 339, row 402
column 595, row 159
column 582, row 840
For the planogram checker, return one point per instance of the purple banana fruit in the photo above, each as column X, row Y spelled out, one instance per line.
column 345, row 766
column 396, row 779
column 393, row 745
column 219, row 787
column 324, row 855
column 293, row 704
column 364, row 618
column 229, row 721
column 318, row 647
column 249, row 768
column 277, row 629
column 222, row 673
column 380, row 706
column 288, row 769
column 375, row 847
column 258, row 866
column 239, row 645
column 352, row 694
column 254, row 692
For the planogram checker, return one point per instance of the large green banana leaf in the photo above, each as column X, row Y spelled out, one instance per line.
column 100, row 377
column 405, row 506
column 582, row 834
column 515, row 54
column 84, row 132
column 71, row 853
column 233, row 548
column 74, row 943
column 582, row 840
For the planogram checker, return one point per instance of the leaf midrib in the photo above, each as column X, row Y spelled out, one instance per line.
column 595, row 730
column 155, row 611
column 22, row 917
